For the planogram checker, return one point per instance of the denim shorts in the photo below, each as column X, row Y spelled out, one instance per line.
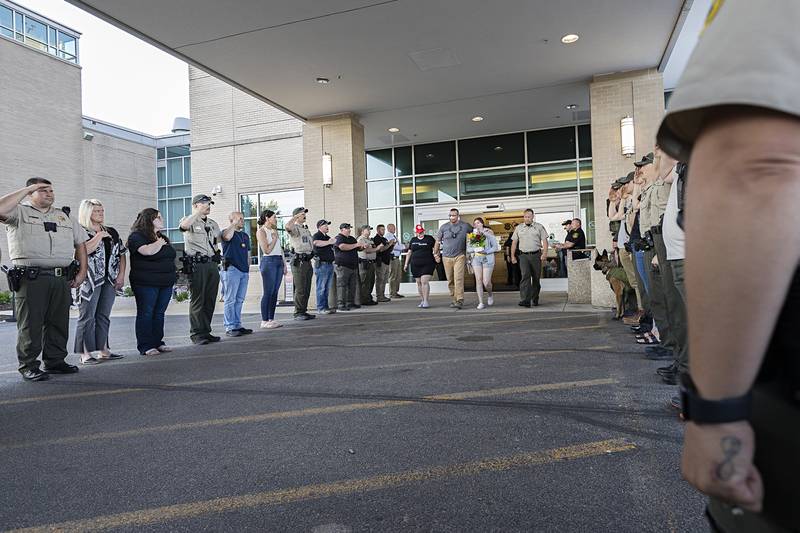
column 483, row 260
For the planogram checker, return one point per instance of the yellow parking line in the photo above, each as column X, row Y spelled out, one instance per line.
column 32, row 399
column 183, row 511
column 296, row 413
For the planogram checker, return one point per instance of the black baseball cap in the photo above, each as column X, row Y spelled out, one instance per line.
column 201, row 199
column 646, row 160
column 323, row 222
column 626, row 179
column 364, row 226
column 616, row 185
column 298, row 210
column 344, row 225
column 566, row 222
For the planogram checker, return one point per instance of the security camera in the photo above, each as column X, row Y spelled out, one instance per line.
column 216, row 190
column 88, row 136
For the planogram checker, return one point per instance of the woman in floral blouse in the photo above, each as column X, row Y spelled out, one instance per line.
column 105, row 277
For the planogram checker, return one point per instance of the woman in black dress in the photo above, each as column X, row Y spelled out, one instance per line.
column 420, row 256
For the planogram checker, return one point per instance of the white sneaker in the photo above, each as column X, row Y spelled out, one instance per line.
column 264, row 324
column 421, row 304
column 424, row 305
column 490, row 300
column 481, row 306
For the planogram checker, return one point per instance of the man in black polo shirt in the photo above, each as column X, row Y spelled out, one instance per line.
column 323, row 265
column 346, row 249
column 575, row 240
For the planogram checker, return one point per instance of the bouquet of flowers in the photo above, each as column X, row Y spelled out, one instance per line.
column 477, row 241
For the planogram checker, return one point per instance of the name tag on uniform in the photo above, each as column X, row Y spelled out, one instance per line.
column 305, row 239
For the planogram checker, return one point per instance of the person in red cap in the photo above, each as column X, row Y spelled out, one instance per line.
column 422, row 262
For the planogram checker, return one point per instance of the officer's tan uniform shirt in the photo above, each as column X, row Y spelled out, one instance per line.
column 30, row 245
column 747, row 55
column 529, row 238
column 199, row 239
column 653, row 204
column 301, row 239
column 366, row 255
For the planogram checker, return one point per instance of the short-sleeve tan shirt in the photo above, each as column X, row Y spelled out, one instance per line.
column 369, row 256
column 202, row 237
column 529, row 238
column 30, row 245
column 653, row 204
column 301, row 239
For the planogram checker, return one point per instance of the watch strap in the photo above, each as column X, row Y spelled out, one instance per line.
column 702, row 411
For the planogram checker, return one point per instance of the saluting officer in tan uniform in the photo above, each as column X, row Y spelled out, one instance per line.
column 201, row 235
column 302, row 271
column 42, row 242
column 530, row 241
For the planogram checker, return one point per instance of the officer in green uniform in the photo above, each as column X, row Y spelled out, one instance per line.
column 367, row 258
column 302, row 271
column 42, row 242
column 201, row 235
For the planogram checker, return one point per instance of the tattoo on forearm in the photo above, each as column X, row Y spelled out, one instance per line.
column 730, row 448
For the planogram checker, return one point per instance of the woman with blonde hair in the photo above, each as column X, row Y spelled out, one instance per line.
column 105, row 277
column 481, row 246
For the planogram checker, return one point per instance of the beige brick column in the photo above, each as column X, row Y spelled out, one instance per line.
column 342, row 136
column 639, row 94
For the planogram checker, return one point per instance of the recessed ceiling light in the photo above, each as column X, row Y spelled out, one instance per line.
column 498, row 148
column 570, row 38
column 323, row 81
column 477, row 119
column 394, row 130
column 429, row 156
column 571, row 106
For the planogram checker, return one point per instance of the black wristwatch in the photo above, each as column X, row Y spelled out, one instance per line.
column 701, row 411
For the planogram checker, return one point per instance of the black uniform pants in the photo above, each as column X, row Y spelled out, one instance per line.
column 42, row 307
column 203, row 287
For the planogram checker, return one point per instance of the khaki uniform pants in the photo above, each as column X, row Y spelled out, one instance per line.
column 381, row 279
column 395, row 275
column 454, row 269
column 203, row 287
column 42, row 307
column 626, row 258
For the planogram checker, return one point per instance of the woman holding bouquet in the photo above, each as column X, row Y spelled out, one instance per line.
column 481, row 246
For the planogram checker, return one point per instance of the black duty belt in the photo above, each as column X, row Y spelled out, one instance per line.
column 366, row 261
column 656, row 230
column 304, row 257
column 531, row 253
column 201, row 258
column 59, row 272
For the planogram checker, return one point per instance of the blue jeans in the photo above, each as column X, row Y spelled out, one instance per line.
column 151, row 304
column 640, row 266
column 234, row 290
column 324, row 281
column 271, row 269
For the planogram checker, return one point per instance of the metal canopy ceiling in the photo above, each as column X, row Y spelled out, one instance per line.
column 424, row 66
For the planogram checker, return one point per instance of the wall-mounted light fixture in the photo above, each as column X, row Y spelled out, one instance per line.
column 327, row 170
column 627, row 135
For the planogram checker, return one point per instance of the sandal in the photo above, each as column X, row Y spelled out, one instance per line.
column 89, row 361
column 164, row 348
column 109, row 357
column 647, row 339
column 151, row 352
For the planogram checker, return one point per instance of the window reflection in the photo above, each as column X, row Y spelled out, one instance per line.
column 553, row 177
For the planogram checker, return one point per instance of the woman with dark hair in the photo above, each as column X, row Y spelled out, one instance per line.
column 420, row 257
column 152, row 277
column 271, row 266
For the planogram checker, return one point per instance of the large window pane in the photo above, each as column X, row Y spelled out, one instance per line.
column 35, row 30
column 6, row 18
column 585, row 141
column 66, row 43
column 181, row 191
column 175, row 171
column 177, row 151
column 405, row 191
column 587, row 182
column 285, row 201
column 435, row 157
column 174, row 212
column 162, row 176
column 251, row 227
column 495, row 151
column 160, row 153
column 379, row 164
column 402, row 161
column 249, row 205
column 406, row 227
column 488, row 183
column 381, row 216
column 380, row 193
column 6, row 32
column 551, row 145
column 440, row 188
column 557, row 177
column 162, row 208
column 187, row 170
column 587, row 217
column 175, row 235
column 162, row 192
